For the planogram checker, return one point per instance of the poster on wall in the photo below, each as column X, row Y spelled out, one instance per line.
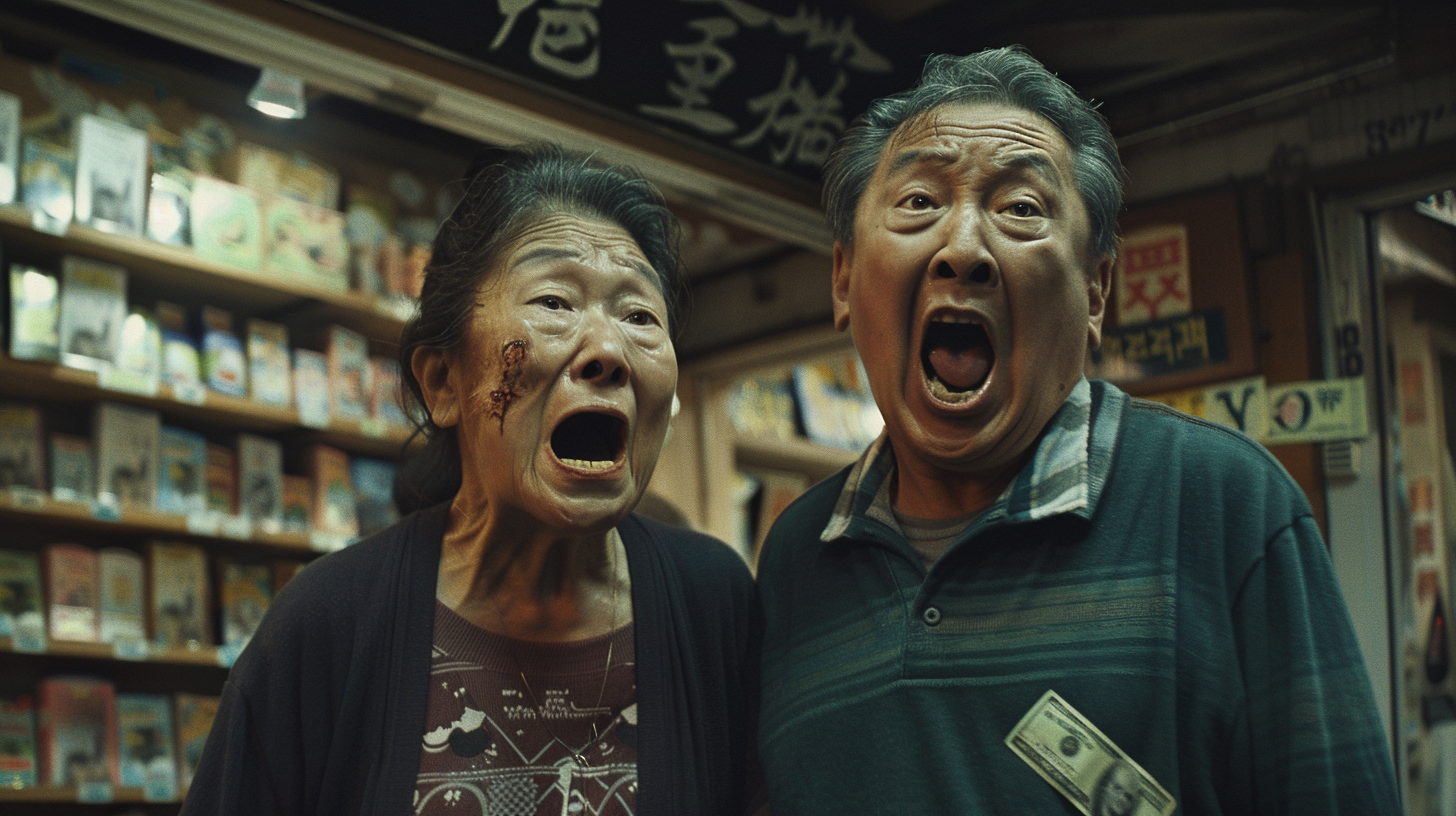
column 1152, row 274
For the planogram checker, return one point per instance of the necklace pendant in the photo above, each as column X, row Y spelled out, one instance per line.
column 580, row 760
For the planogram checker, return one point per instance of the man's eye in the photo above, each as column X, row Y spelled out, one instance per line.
column 1023, row 209
column 552, row 303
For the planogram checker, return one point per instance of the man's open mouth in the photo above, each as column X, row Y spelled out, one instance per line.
column 589, row 441
column 957, row 357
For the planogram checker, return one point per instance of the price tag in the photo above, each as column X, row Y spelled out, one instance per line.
column 326, row 542
column 106, row 509
column 93, row 792
column 313, row 414
column 131, row 648
column 130, row 382
column 202, row 523
column 192, row 393
column 238, row 527
column 27, row 497
column 227, row 654
column 373, row 427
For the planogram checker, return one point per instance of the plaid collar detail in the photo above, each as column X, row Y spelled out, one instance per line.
column 1065, row 474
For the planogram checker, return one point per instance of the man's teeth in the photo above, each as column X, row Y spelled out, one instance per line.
column 588, row 464
column 940, row 392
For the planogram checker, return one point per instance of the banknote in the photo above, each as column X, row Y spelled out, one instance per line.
column 1082, row 763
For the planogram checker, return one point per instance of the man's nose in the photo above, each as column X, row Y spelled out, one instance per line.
column 964, row 255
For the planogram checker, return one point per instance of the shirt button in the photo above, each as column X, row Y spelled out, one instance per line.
column 931, row 616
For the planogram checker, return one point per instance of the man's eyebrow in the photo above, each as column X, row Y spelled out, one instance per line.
column 1038, row 163
column 918, row 155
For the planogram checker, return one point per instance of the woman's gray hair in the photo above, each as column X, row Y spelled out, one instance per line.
column 1008, row 76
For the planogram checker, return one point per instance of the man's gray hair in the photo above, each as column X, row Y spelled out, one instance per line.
column 1008, row 76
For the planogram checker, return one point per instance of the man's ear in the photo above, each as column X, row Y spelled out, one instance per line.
column 840, row 288
column 431, row 367
column 1099, row 289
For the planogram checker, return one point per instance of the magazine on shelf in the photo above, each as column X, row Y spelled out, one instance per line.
column 169, row 207
column 297, row 503
column 224, row 365
column 47, row 183
column 334, row 511
column 227, row 225
column 180, row 599
column 146, row 743
column 349, row 373
column 195, row 713
column 182, row 470
column 181, row 361
column 111, row 175
column 35, row 314
column 123, row 595
column 222, row 479
column 93, row 309
column 311, row 387
column 73, row 592
column 77, row 731
column 139, row 352
column 373, row 493
column 18, row 759
column 21, row 604
column 10, row 126
column 244, row 591
column 126, row 440
column 270, row 376
column 73, row 468
column 260, row 480
column 22, row 447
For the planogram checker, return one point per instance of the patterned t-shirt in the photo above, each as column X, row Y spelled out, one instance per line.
column 495, row 744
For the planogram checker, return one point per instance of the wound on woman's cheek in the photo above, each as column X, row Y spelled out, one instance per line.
column 513, row 359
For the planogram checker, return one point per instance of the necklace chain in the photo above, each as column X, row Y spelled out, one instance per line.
column 578, row 754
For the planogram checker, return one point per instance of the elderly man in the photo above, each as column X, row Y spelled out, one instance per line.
column 1030, row 576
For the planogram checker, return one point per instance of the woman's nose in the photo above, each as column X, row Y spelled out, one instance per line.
column 602, row 360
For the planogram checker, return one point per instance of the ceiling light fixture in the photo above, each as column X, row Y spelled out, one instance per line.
column 278, row 94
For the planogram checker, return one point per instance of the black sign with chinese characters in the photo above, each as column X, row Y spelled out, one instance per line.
column 1183, row 343
column 766, row 80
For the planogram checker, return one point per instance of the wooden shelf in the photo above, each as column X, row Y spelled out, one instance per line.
column 205, row 656
column 50, row 381
column 174, row 269
column 67, row 793
column 796, row 454
column 31, row 508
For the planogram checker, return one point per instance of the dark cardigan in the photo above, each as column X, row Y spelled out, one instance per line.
column 324, row 711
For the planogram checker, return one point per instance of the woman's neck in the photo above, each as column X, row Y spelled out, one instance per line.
column 512, row 575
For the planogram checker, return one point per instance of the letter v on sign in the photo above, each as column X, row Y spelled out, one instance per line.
column 1239, row 404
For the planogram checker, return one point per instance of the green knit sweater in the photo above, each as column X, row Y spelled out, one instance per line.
column 1182, row 601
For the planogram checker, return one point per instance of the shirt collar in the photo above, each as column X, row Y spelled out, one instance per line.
column 1065, row 474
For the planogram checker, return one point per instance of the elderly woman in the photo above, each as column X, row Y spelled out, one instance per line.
column 524, row 644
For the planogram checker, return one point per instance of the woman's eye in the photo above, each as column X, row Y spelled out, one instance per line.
column 1023, row 209
column 642, row 318
column 552, row 303
column 919, row 202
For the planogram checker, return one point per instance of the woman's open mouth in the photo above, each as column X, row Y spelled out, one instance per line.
column 589, row 441
column 957, row 357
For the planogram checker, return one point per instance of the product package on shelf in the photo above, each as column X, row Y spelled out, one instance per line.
column 334, row 512
column 21, row 613
column 224, row 366
column 139, row 352
column 374, row 500
column 222, row 480
column 227, row 224
column 305, row 242
column 22, row 447
column 182, row 487
column 835, row 404
column 169, row 207
column 349, row 387
column 244, row 591
column 73, row 592
column 9, row 148
column 369, row 220
column 35, row 314
column 270, row 172
column 73, row 468
column 297, row 503
column 93, row 308
column 181, row 361
column 146, row 744
column 260, row 480
column 111, row 175
column 195, row 713
column 311, row 387
column 270, row 376
column 385, row 405
column 77, row 730
column 180, row 598
column 47, row 183
column 18, row 761
column 123, row 596
column 126, row 440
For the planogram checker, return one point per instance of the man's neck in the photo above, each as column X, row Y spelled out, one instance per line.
column 932, row 493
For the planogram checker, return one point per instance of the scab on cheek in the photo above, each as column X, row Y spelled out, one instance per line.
column 513, row 359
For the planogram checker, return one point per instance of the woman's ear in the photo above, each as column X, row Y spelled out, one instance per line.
column 431, row 367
